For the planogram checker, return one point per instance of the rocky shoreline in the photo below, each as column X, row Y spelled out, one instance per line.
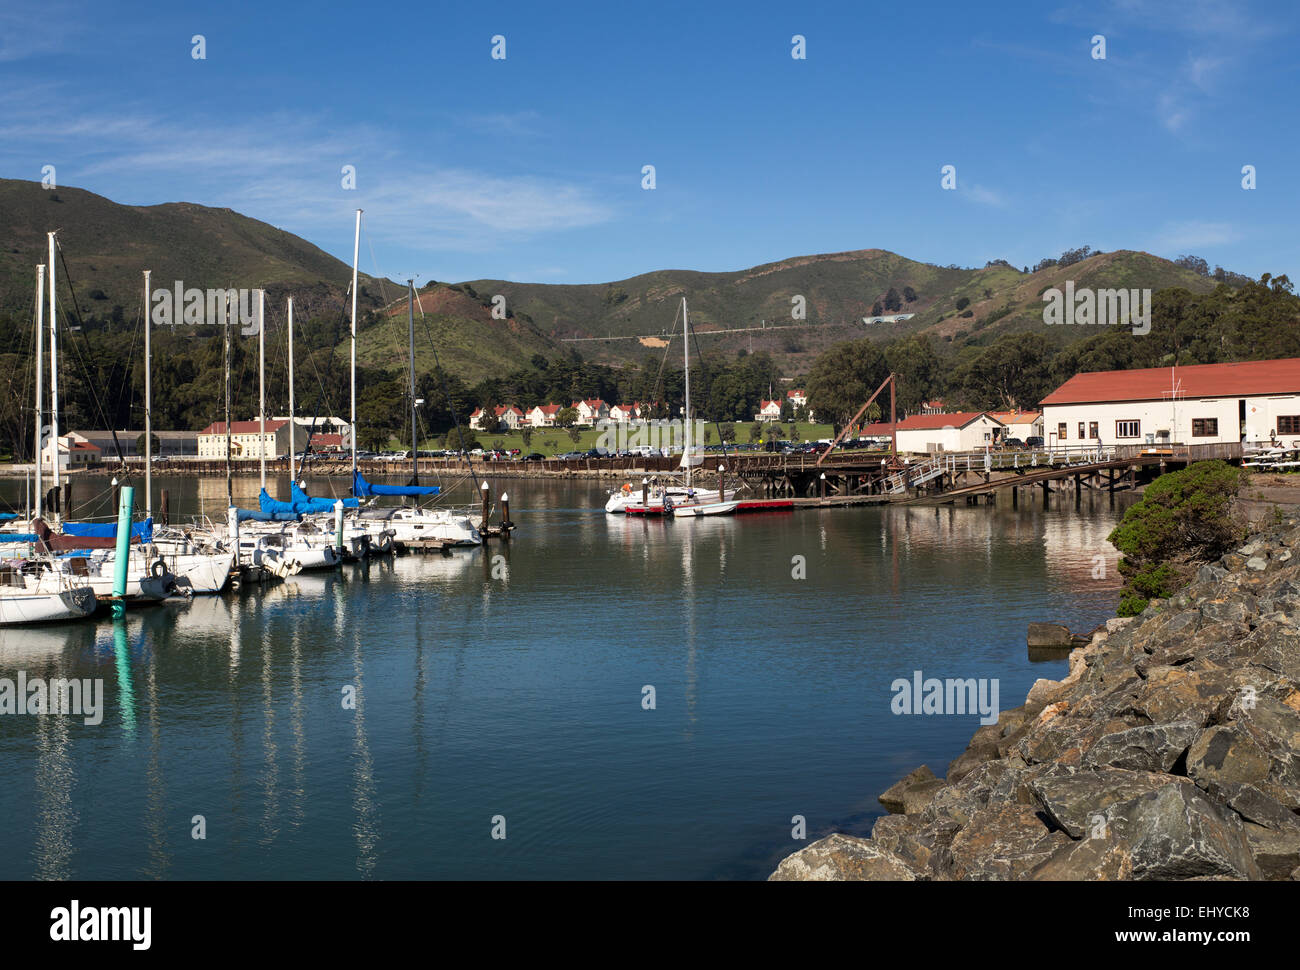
column 1171, row 751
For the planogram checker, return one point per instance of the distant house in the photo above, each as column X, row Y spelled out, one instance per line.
column 959, row 431
column 591, row 411
column 798, row 398
column 770, row 411
column 932, row 407
column 1021, row 424
column 508, row 415
column 73, row 452
column 1198, row 404
column 543, row 415
column 247, row 439
column 623, row 413
column 323, row 424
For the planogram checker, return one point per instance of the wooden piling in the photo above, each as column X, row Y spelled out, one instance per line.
column 163, row 507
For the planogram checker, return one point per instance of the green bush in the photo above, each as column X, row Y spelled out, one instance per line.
column 1183, row 519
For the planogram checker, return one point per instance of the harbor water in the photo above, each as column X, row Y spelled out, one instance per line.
column 618, row 698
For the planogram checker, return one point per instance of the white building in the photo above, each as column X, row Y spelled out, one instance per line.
column 1198, row 404
column 770, row 411
column 543, row 415
column 246, row 439
column 74, row 452
column 509, row 417
column 961, row 431
column 327, row 425
column 591, row 410
column 1021, row 424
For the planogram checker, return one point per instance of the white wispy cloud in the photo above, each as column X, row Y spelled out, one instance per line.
column 286, row 170
column 1193, row 234
column 984, row 196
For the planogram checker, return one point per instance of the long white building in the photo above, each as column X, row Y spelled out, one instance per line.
column 1198, row 404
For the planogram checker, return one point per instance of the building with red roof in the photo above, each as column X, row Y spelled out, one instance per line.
column 1252, row 401
column 247, row 439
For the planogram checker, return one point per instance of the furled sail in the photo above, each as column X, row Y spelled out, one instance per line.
column 364, row 489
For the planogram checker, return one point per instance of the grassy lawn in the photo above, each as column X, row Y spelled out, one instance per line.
column 555, row 441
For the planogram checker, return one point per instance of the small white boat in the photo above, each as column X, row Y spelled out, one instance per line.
column 691, row 510
column 631, row 495
column 412, row 524
column 148, row 579
column 199, row 561
column 31, row 592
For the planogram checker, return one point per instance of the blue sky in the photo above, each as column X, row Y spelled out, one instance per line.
column 530, row 168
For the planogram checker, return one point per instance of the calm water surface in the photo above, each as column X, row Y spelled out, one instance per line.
column 515, row 689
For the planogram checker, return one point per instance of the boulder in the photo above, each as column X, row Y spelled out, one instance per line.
column 1090, row 860
column 841, row 857
column 1048, row 635
column 1075, row 799
column 1002, row 842
column 1226, row 754
column 892, row 798
column 1177, row 832
column 917, row 796
column 1151, row 747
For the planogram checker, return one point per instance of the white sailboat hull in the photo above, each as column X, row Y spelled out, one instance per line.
column 32, row 606
column 701, row 509
column 619, row 501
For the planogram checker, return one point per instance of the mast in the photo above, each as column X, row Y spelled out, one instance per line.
column 686, row 411
column 415, row 438
column 356, row 249
column 261, row 384
column 54, row 368
column 293, row 476
column 230, row 489
column 148, row 405
column 40, row 380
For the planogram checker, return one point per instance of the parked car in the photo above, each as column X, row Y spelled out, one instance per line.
column 1034, row 441
column 570, row 455
column 1012, row 443
column 533, row 456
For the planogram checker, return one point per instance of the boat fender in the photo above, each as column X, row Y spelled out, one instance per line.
column 158, row 569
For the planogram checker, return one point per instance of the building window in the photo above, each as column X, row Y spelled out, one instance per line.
column 1288, row 424
column 1205, row 427
column 1060, row 432
column 1080, row 430
column 1093, row 431
column 1128, row 429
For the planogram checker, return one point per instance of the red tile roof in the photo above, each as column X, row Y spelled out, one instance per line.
column 1195, row 380
column 244, row 427
column 932, row 422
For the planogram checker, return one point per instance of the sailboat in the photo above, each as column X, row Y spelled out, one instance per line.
column 681, row 500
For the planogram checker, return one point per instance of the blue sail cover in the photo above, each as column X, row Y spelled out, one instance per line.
column 16, row 537
column 298, row 497
column 8, row 516
column 310, row 507
column 249, row 515
column 363, row 489
column 108, row 530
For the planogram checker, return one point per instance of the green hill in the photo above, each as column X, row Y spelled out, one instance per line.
column 107, row 245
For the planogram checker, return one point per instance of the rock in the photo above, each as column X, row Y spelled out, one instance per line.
column 1091, row 860
column 1176, row 832
column 1073, row 799
column 1151, row 747
column 841, row 857
column 1048, row 635
column 892, row 799
column 1253, row 805
column 1002, row 842
column 1226, row 755
column 1183, row 695
column 1257, row 563
column 1117, row 623
column 917, row 796
column 1276, row 852
column 969, row 759
column 1210, row 574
